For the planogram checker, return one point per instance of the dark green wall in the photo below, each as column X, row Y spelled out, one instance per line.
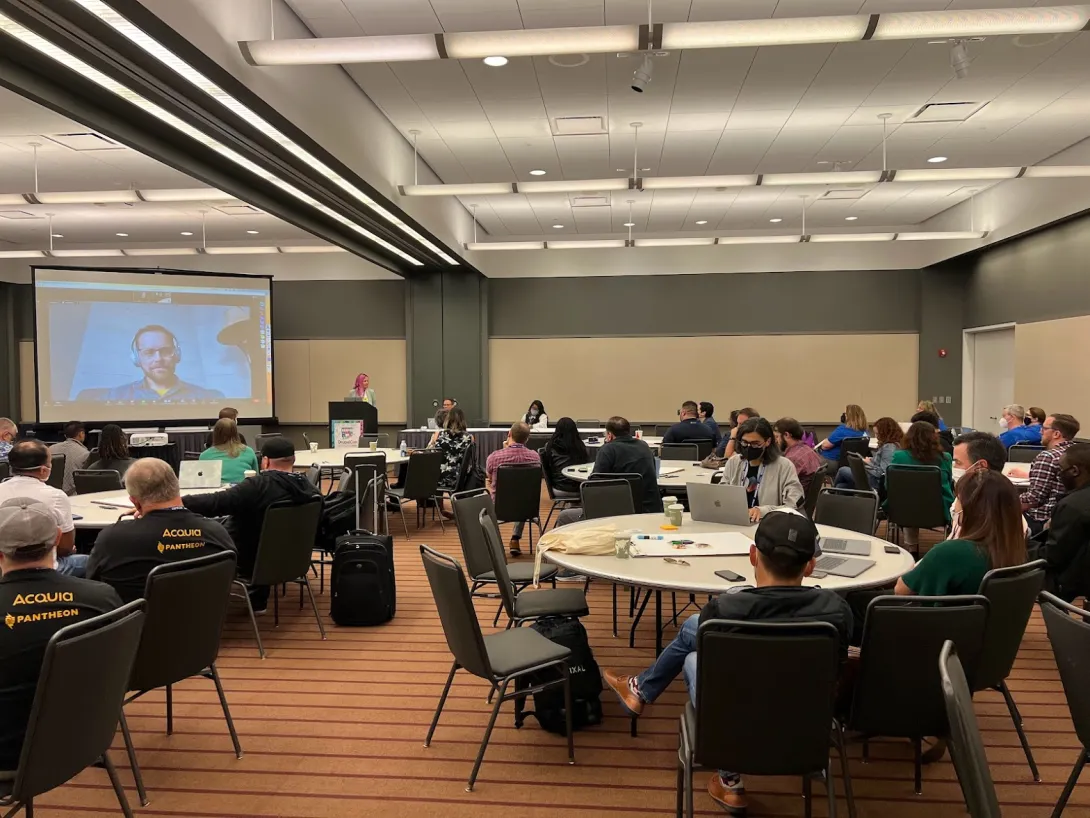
column 942, row 308
column 338, row 309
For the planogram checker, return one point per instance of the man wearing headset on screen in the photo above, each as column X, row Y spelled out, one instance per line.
column 157, row 352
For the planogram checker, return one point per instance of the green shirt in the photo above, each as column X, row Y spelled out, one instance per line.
column 234, row 468
column 951, row 567
column 903, row 457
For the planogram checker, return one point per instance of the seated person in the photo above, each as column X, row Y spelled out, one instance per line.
column 853, row 424
column 1045, row 487
column 245, row 504
column 75, row 453
column 707, row 417
column 725, row 447
column 227, row 447
column 565, row 448
column 946, row 437
column 1036, row 417
column 112, row 453
column 38, row 601
column 991, row 537
column 1012, row 422
column 783, row 553
column 770, row 478
column 513, row 453
column 231, row 414
column 536, row 418
column 1067, row 548
column 161, row 531
column 929, row 406
column 788, row 432
column 921, row 447
column 888, row 433
column 976, row 451
column 30, row 468
column 8, row 432
column 689, row 427
column 452, row 440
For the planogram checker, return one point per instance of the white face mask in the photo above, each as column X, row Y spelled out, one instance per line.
column 1003, row 423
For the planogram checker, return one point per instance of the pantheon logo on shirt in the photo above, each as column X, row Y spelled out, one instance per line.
column 11, row 620
column 178, row 546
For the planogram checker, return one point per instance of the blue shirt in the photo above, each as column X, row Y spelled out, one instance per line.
column 1021, row 434
column 139, row 390
column 840, row 433
column 713, row 426
column 942, row 425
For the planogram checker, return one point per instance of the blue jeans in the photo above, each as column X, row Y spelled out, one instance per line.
column 74, row 565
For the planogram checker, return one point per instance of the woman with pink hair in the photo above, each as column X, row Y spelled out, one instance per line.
column 362, row 390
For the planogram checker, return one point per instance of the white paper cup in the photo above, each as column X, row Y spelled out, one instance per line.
column 314, row 447
column 252, row 473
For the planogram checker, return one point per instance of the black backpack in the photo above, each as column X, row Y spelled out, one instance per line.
column 338, row 518
column 586, row 680
column 362, row 581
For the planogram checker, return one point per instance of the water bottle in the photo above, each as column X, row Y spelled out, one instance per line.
column 404, row 448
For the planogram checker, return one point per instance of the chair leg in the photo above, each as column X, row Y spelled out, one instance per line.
column 689, row 787
column 170, row 711
column 111, row 771
column 314, row 605
column 28, row 807
column 226, row 710
column 614, row 610
column 488, row 734
column 845, row 773
column 830, row 789
column 680, row 786
column 636, row 619
column 131, row 751
column 253, row 619
column 404, row 522
column 917, row 752
column 1073, row 779
column 1017, row 718
column 499, row 610
column 276, row 608
column 807, row 796
column 568, row 712
column 549, row 516
column 442, row 701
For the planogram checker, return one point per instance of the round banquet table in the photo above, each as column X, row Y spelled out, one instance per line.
column 688, row 472
column 654, row 574
column 305, row 458
column 101, row 509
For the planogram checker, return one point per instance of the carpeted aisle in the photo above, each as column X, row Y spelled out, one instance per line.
column 335, row 729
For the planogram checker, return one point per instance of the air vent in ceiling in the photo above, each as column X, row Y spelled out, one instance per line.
column 845, row 193
column 87, row 141
column 590, row 201
column 238, row 210
column 946, row 112
column 17, row 214
column 578, row 125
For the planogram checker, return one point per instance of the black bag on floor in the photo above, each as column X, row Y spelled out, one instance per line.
column 338, row 518
column 362, row 580
column 586, row 679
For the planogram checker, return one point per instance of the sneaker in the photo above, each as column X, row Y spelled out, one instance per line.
column 261, row 611
column 515, row 551
column 731, row 798
column 622, row 686
column 565, row 575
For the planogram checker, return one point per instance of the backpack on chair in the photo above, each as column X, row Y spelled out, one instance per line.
column 583, row 672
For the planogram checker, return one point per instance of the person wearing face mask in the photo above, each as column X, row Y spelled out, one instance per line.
column 975, row 451
column 536, row 418
column 1012, row 424
column 770, row 479
column 724, row 450
column 1067, row 548
column 1045, row 488
column 8, row 432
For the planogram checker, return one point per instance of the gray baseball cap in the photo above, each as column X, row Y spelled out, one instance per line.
column 25, row 523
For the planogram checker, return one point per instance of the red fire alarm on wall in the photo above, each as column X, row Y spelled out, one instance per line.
column 942, row 353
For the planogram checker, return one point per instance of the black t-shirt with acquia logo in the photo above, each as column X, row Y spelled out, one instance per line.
column 126, row 552
column 35, row 603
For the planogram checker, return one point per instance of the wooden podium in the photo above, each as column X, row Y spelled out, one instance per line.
column 360, row 412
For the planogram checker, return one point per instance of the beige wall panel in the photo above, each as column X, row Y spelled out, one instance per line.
column 291, row 380
column 1052, row 369
column 810, row 377
column 334, row 365
column 28, row 409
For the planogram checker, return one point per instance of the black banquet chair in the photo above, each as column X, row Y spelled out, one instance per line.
column 518, row 496
column 559, row 498
column 914, row 499
column 56, row 475
column 422, row 475
column 84, row 676
column 89, row 481
column 786, row 726
column 680, row 451
column 856, row 445
column 849, row 509
column 859, row 471
column 1023, row 453
column 499, row 658
column 186, row 605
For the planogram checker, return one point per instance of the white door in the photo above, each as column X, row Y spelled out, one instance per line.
column 991, row 356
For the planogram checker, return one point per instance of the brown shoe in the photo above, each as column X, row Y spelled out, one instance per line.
column 515, row 551
column 733, row 800
column 619, row 685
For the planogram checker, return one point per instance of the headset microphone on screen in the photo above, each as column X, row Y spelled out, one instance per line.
column 154, row 328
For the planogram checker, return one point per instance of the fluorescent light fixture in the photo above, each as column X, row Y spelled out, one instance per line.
column 774, row 31
column 495, row 62
column 468, row 45
column 339, row 50
column 162, row 251
column 851, row 218
column 679, row 242
column 57, row 236
column 308, row 249
column 537, row 172
column 196, row 194
column 240, row 251
column 702, row 222
column 558, row 226
column 89, row 197
column 187, row 233
column 953, row 235
column 573, row 186
column 629, row 224
column 86, row 253
column 696, row 182
column 776, row 220
column 1056, row 171
column 122, row 235
column 934, row 160
column 12, row 199
column 22, row 254
column 253, row 232
column 837, row 237
column 847, row 177
column 760, row 239
column 587, row 244
column 955, row 174
column 925, row 25
column 470, row 189
column 505, row 245
column 152, row 47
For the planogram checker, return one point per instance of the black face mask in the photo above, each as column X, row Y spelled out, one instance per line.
column 750, row 451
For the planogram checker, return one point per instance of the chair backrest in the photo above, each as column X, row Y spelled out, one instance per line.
column 456, row 613
column 704, row 447
column 914, row 497
column 91, row 480
column 186, row 604
column 817, row 483
column 468, row 506
column 859, row 471
column 538, row 440
column 518, row 492
column 369, row 467
column 1069, row 632
column 499, row 563
column 635, row 482
column 966, row 745
column 589, row 423
column 662, row 428
column 858, row 445
column 898, row 692
column 5, row 470
column 849, row 509
column 196, row 456
column 381, row 440
column 1023, row 453
column 288, row 534
column 783, row 727
column 469, row 460
column 259, row 442
column 77, row 704
column 1011, row 594
column 422, row 474
column 56, row 476
column 680, row 451
column 606, row 498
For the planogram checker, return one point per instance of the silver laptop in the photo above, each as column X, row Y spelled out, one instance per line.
column 718, row 504
column 842, row 566
column 201, row 474
column 838, row 545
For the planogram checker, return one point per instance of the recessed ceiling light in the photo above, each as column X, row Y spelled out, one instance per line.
column 495, row 62
column 850, row 218
column 557, row 226
column 186, row 233
column 58, row 236
column 775, row 221
column 622, row 170
column 252, row 232
column 702, row 221
column 122, row 235
column 936, row 159
column 537, row 172
column 629, row 224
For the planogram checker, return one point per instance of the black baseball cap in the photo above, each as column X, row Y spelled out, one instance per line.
column 787, row 530
column 278, row 448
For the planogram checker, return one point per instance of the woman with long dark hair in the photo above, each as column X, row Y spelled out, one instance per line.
column 565, row 448
column 112, row 453
column 922, row 447
column 535, row 417
column 770, row 478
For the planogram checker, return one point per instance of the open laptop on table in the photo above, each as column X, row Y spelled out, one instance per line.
column 842, row 566
column 200, row 474
column 839, row 545
column 718, row 504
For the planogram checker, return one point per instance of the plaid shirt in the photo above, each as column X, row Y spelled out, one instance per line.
column 508, row 456
column 1045, row 487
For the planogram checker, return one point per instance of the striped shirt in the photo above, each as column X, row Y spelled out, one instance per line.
column 508, row 456
column 1045, row 486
